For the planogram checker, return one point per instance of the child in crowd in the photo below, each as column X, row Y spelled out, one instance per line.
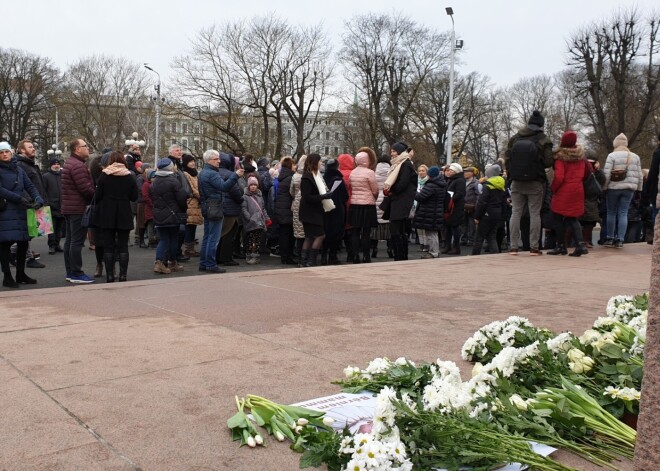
column 255, row 219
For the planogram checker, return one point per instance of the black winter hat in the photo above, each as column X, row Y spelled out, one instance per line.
column 537, row 119
column 185, row 158
column 400, row 147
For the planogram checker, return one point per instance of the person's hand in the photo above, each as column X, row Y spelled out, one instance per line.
column 26, row 202
column 386, row 192
column 38, row 203
column 326, row 196
column 240, row 172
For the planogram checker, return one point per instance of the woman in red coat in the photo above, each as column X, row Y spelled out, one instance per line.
column 571, row 170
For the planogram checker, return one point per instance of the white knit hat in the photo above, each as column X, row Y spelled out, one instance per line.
column 620, row 141
column 5, row 146
column 456, row 168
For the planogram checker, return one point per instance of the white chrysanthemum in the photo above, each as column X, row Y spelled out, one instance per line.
column 351, row 372
column 378, row 366
column 604, row 322
column 356, row 465
column 590, row 336
column 560, row 343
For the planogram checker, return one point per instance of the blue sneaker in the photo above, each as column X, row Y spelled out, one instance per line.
column 68, row 277
column 81, row 279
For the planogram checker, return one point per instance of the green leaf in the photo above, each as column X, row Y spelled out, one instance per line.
column 309, row 459
column 237, row 420
column 257, row 417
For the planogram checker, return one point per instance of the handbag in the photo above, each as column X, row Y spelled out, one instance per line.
column 620, row 174
column 592, row 188
column 450, row 206
column 214, row 210
column 88, row 215
column 32, row 223
column 386, row 206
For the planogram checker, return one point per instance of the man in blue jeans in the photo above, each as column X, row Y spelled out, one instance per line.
column 211, row 186
column 77, row 193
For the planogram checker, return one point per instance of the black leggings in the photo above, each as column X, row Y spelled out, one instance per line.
column 562, row 223
column 21, row 252
column 361, row 240
column 115, row 240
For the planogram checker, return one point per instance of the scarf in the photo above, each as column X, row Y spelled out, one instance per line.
column 395, row 166
column 192, row 171
column 328, row 205
column 117, row 169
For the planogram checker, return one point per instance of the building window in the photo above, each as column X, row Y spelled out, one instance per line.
column 326, row 150
column 173, row 127
column 173, row 141
column 336, row 150
column 318, row 149
column 196, row 129
column 327, row 136
column 184, row 128
column 288, row 133
column 318, row 134
column 336, row 136
column 184, row 143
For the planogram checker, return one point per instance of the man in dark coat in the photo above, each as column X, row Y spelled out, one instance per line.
column 283, row 214
column 52, row 193
column 134, row 156
column 231, row 207
column 77, row 193
column 528, row 154
column 26, row 159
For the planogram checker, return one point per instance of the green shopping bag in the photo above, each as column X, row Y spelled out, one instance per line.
column 33, row 225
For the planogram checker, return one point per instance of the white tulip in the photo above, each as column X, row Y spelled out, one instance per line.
column 279, row 436
column 259, row 439
column 251, row 443
column 574, row 354
column 302, row 421
column 328, row 421
column 298, row 429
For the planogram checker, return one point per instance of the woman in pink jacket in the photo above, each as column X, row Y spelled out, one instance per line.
column 362, row 210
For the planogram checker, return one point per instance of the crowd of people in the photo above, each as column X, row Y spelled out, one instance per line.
column 308, row 210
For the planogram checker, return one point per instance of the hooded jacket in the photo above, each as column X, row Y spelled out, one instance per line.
column 571, row 170
column 363, row 182
column 283, row 213
column 492, row 200
column 456, row 185
column 13, row 220
column 232, row 199
column 381, row 175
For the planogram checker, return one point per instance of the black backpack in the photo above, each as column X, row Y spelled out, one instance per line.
column 524, row 159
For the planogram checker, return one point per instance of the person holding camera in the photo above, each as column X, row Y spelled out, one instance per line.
column 13, row 216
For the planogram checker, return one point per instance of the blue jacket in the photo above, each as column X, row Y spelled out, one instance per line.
column 232, row 199
column 212, row 185
column 13, row 220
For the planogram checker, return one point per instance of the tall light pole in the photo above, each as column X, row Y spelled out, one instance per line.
column 450, row 118
column 158, row 102
column 57, row 128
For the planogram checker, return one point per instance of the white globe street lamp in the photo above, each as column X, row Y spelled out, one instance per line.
column 134, row 141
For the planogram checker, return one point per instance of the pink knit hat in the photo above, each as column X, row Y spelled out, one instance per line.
column 253, row 181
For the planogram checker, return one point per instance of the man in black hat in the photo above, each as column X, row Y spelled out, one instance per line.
column 527, row 156
column 52, row 193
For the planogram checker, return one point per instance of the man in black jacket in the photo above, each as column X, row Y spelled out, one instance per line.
column 527, row 156
column 52, row 192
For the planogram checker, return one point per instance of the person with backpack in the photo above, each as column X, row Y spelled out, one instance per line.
column 527, row 156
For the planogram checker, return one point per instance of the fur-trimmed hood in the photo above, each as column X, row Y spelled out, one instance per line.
column 570, row 154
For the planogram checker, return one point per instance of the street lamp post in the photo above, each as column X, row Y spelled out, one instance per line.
column 158, row 102
column 134, row 141
column 54, row 152
column 450, row 118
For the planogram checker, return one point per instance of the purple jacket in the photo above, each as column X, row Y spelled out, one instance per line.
column 77, row 186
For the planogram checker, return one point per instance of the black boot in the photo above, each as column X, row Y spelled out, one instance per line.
column 123, row 266
column 304, row 256
column 581, row 249
column 374, row 248
column 324, row 257
column 311, row 260
column 398, row 246
column 109, row 261
column 21, row 277
column 390, row 250
column 332, row 256
column 9, row 282
column 558, row 250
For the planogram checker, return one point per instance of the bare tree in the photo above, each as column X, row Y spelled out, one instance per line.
column 303, row 77
column 100, row 92
column 28, row 84
column 206, row 89
column 389, row 58
column 606, row 57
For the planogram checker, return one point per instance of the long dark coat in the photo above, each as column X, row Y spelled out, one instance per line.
column 311, row 209
column 53, row 191
column 335, row 220
column 457, row 186
column 429, row 214
column 402, row 193
column 13, row 220
column 283, row 213
column 113, row 201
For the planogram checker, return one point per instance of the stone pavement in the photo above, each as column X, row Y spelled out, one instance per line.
column 142, row 375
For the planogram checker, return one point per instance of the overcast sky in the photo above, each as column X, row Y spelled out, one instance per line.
column 504, row 39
